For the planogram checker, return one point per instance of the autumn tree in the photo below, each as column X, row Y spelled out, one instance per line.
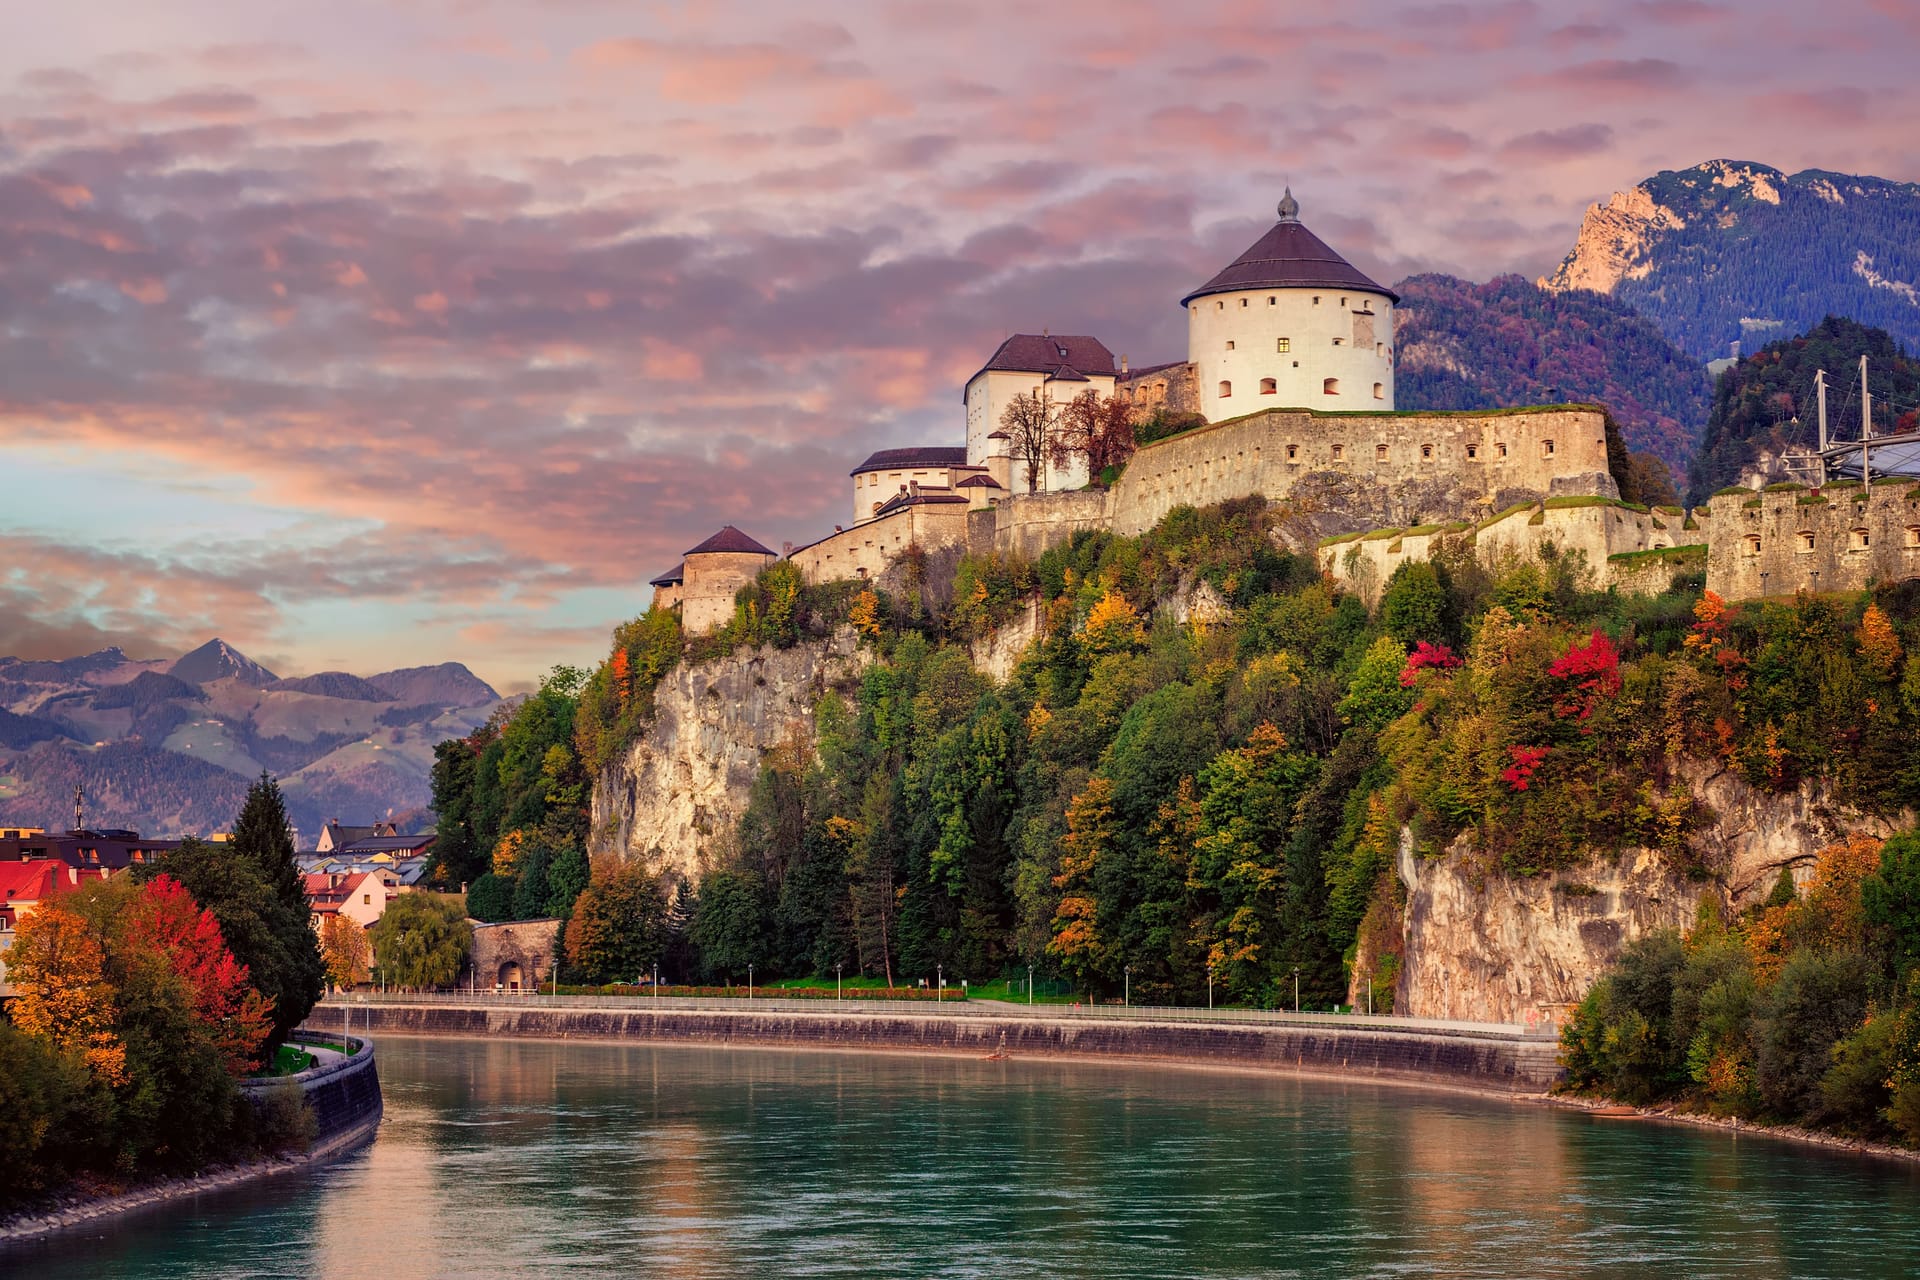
column 1029, row 422
column 618, row 929
column 1081, row 947
column 58, row 968
column 1095, row 430
column 169, row 924
column 344, row 948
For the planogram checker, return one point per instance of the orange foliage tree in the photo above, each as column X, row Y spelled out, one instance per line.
column 345, row 951
column 61, row 993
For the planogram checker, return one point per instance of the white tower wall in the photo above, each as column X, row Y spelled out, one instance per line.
column 1329, row 332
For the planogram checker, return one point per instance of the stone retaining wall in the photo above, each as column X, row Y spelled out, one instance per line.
column 344, row 1097
column 1493, row 1061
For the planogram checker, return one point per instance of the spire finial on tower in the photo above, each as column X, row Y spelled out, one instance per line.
column 1289, row 207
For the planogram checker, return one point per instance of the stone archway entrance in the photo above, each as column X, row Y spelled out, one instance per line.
column 509, row 976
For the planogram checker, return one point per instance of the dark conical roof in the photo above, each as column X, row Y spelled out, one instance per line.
column 1288, row 257
column 730, row 539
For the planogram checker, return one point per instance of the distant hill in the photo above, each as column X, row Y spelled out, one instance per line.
column 169, row 747
column 1461, row 345
column 334, row 684
column 1730, row 251
column 1757, row 401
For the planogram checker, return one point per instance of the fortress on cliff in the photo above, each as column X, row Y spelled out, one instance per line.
column 1289, row 380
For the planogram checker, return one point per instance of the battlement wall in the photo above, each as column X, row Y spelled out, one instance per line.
column 1844, row 537
column 867, row 548
column 1626, row 547
column 1429, row 466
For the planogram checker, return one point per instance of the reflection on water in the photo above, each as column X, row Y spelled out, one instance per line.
column 534, row 1159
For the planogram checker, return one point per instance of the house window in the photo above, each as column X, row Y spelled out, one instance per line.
column 1229, row 344
column 1271, row 300
column 1859, row 540
column 1283, row 345
column 1546, row 448
column 1379, row 391
column 1339, row 452
column 1499, row 451
column 1806, row 540
column 1268, row 386
column 1226, row 389
column 1426, row 451
column 367, row 899
column 1379, row 453
column 1331, row 386
column 1753, row 544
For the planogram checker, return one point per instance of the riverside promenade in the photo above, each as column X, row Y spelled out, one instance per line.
column 1501, row 1058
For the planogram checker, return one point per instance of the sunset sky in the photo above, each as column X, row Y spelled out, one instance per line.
column 375, row 334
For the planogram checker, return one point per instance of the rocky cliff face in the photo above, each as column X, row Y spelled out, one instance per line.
column 1615, row 242
column 687, row 778
column 1490, row 947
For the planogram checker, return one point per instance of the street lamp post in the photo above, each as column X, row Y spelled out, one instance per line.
column 749, row 982
column 940, row 983
column 836, row 982
column 1029, row 984
column 1296, row 988
column 656, row 979
column 1126, row 996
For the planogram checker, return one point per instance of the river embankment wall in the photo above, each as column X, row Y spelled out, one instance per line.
column 342, row 1095
column 1492, row 1058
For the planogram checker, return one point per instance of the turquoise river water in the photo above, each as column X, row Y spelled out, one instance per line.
column 528, row 1158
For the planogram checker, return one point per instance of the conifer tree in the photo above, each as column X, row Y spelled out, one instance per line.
column 263, row 838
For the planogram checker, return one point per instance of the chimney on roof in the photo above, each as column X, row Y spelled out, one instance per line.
column 1123, row 363
column 786, row 549
column 913, row 487
column 836, row 528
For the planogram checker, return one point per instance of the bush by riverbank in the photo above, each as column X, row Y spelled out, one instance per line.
column 1801, row 1012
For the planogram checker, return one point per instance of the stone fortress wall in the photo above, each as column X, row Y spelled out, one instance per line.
column 865, row 550
column 1637, row 550
column 1842, row 537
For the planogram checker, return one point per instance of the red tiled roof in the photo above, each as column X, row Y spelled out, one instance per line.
column 33, row 881
column 729, row 539
column 1288, row 257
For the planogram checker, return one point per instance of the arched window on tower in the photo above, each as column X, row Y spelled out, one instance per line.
column 1226, row 389
column 1268, row 387
column 1379, row 391
column 1331, row 386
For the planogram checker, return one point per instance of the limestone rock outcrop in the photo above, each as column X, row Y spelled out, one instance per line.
column 687, row 778
column 1614, row 241
column 1490, row 947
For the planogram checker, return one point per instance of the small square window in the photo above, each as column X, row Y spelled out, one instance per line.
column 1546, row 448
column 1339, row 451
column 1282, row 345
column 1316, row 299
column 1380, row 452
column 1343, row 302
column 1294, row 449
column 1272, row 301
column 1229, row 344
column 1243, row 302
column 1426, row 451
column 1499, row 451
column 1806, row 540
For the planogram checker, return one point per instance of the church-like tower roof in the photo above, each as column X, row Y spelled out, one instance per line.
column 1288, row 257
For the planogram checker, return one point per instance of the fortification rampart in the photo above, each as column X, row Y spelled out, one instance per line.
column 1843, row 537
column 1631, row 548
column 1428, row 467
column 1027, row 524
column 866, row 549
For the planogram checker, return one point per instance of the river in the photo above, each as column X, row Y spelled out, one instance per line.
column 532, row 1158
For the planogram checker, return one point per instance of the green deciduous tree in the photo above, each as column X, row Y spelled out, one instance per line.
column 421, row 941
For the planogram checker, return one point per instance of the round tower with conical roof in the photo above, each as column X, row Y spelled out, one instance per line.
column 1290, row 324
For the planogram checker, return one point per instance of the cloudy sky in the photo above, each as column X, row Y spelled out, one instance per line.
column 370, row 334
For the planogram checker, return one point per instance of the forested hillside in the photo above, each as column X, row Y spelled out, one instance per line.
column 1151, row 800
column 1510, row 342
column 1766, row 403
column 1728, row 251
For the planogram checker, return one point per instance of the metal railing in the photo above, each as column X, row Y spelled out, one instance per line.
column 953, row 1008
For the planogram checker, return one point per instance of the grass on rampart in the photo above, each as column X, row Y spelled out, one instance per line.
column 1692, row 551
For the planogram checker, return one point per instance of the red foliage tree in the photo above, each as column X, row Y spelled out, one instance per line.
column 1519, row 774
column 171, row 925
column 1437, row 656
column 1593, row 669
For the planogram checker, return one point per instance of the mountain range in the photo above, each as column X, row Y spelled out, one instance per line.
column 1732, row 251
column 169, row 746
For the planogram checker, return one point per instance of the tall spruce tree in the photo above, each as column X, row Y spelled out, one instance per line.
column 263, row 838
